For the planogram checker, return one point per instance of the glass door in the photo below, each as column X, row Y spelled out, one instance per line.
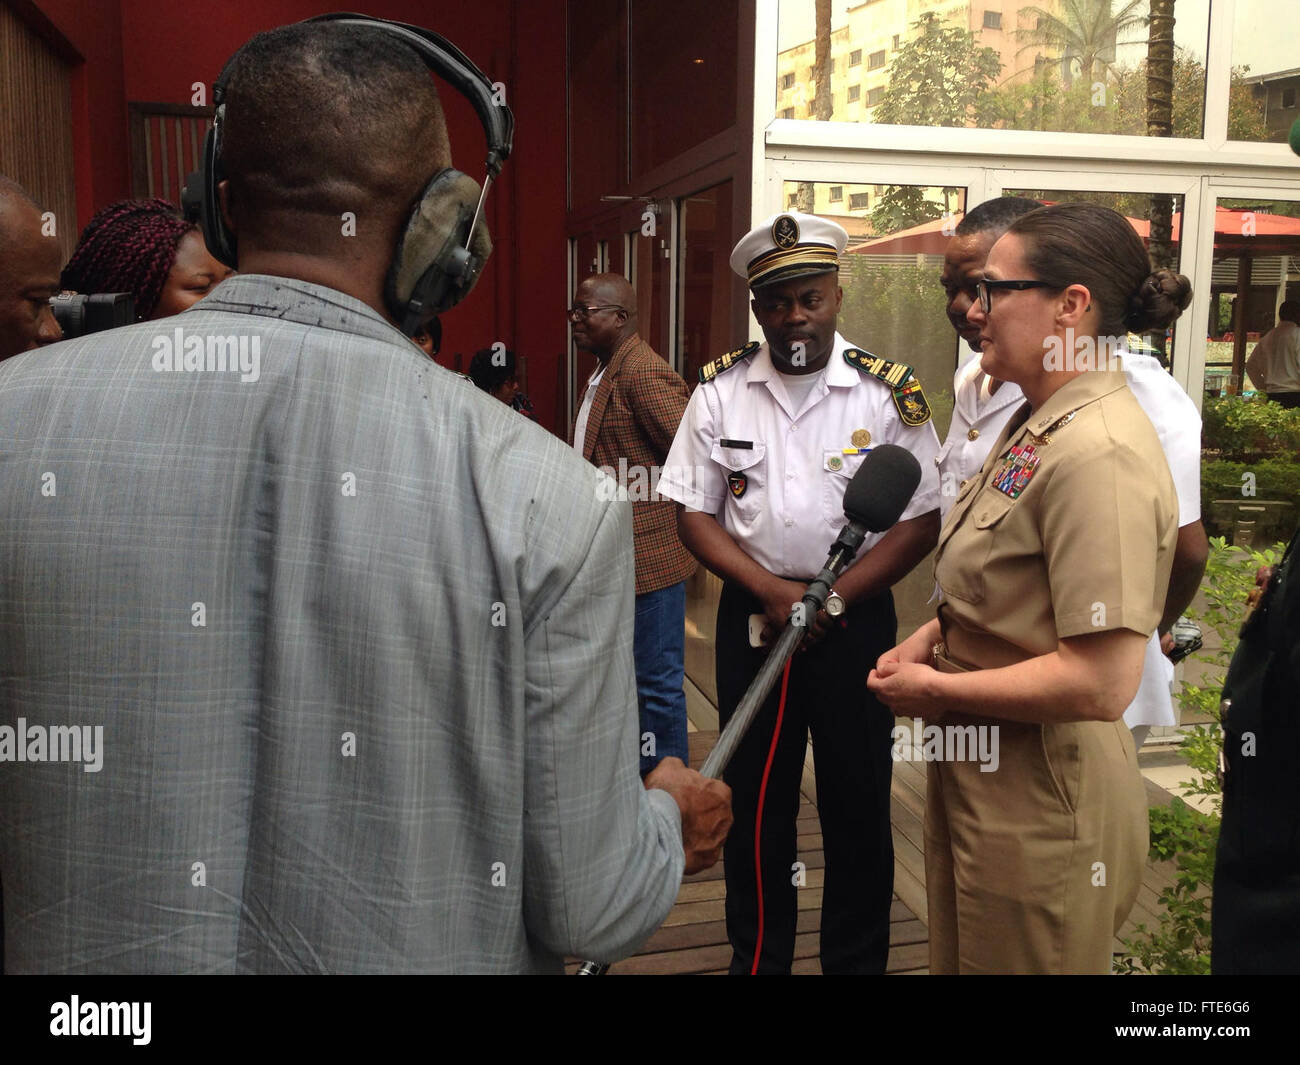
column 1250, row 429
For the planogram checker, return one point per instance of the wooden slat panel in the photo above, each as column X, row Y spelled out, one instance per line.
column 36, row 124
column 166, row 146
column 163, row 187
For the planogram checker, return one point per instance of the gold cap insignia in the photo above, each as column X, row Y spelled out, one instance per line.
column 785, row 232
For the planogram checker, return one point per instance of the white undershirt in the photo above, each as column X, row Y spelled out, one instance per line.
column 580, row 427
column 797, row 387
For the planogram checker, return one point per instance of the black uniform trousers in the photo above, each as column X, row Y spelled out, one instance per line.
column 852, row 739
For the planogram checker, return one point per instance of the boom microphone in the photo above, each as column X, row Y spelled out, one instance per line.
column 882, row 487
column 873, row 502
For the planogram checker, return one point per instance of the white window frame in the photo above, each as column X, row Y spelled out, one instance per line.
column 1212, row 147
column 1198, row 169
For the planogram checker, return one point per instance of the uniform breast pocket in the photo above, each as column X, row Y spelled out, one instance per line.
column 745, row 469
column 836, row 473
column 966, row 552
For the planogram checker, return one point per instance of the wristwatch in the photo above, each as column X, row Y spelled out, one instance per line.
column 835, row 605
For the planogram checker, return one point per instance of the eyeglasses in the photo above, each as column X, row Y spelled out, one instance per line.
column 579, row 311
column 984, row 289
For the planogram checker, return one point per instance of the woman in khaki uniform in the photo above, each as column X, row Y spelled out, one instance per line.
column 1053, row 566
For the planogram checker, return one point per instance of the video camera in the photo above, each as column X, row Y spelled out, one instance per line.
column 79, row 314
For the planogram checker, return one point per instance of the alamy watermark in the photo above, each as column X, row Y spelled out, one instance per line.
column 55, row 743
column 179, row 352
column 102, row 1018
column 947, row 743
column 1087, row 352
column 640, row 484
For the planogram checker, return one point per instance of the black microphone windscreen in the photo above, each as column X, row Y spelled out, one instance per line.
column 882, row 487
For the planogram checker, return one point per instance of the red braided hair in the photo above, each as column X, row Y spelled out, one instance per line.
column 129, row 246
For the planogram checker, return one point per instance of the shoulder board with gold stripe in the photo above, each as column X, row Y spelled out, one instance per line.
column 908, row 397
column 725, row 362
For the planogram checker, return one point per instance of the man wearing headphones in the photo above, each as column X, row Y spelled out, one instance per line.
column 341, row 701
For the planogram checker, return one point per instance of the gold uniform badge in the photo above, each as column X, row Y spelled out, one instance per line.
column 785, row 232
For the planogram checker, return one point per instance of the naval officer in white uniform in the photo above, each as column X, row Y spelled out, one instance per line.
column 770, row 439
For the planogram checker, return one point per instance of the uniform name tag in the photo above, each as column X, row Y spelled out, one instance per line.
column 744, row 445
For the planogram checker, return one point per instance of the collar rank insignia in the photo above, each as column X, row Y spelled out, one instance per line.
column 725, row 362
column 737, row 482
column 908, row 397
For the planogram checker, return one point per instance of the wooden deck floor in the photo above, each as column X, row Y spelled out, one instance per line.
column 694, row 937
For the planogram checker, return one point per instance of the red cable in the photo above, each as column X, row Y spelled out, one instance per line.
column 758, row 819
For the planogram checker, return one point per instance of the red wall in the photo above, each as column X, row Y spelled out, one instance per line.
column 154, row 50
column 100, row 139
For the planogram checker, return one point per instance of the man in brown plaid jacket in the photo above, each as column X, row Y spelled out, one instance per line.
column 627, row 416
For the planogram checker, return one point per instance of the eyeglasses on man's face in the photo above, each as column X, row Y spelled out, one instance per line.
column 984, row 289
column 582, row 312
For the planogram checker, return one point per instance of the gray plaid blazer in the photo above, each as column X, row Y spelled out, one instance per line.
column 359, row 641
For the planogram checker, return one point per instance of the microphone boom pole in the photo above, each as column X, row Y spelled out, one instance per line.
column 760, row 687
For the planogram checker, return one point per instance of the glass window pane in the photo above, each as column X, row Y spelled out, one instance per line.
column 1265, row 71
column 1078, row 67
column 594, row 32
column 683, row 65
column 1250, row 432
column 706, row 278
column 651, row 279
column 1256, row 269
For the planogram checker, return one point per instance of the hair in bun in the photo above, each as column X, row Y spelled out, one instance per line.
column 1162, row 297
column 1086, row 244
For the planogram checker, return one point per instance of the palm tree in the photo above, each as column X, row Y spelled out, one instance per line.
column 1084, row 33
column 821, row 101
column 1160, row 120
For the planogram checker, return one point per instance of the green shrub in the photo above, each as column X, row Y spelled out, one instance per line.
column 1273, row 478
column 1235, row 429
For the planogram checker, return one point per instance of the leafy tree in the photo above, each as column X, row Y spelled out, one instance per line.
column 1045, row 103
column 1245, row 110
column 901, row 207
column 939, row 78
column 1084, row 34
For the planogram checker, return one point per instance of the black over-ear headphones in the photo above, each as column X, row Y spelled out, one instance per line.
column 445, row 242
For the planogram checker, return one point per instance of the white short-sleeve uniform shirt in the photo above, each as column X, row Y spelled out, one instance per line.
column 1178, row 425
column 772, row 473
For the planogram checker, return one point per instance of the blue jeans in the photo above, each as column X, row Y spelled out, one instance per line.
column 659, row 648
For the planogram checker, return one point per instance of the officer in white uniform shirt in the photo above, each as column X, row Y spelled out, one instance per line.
column 982, row 406
column 1178, row 425
column 761, row 460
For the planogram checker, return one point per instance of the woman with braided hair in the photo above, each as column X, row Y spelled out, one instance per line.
column 146, row 248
